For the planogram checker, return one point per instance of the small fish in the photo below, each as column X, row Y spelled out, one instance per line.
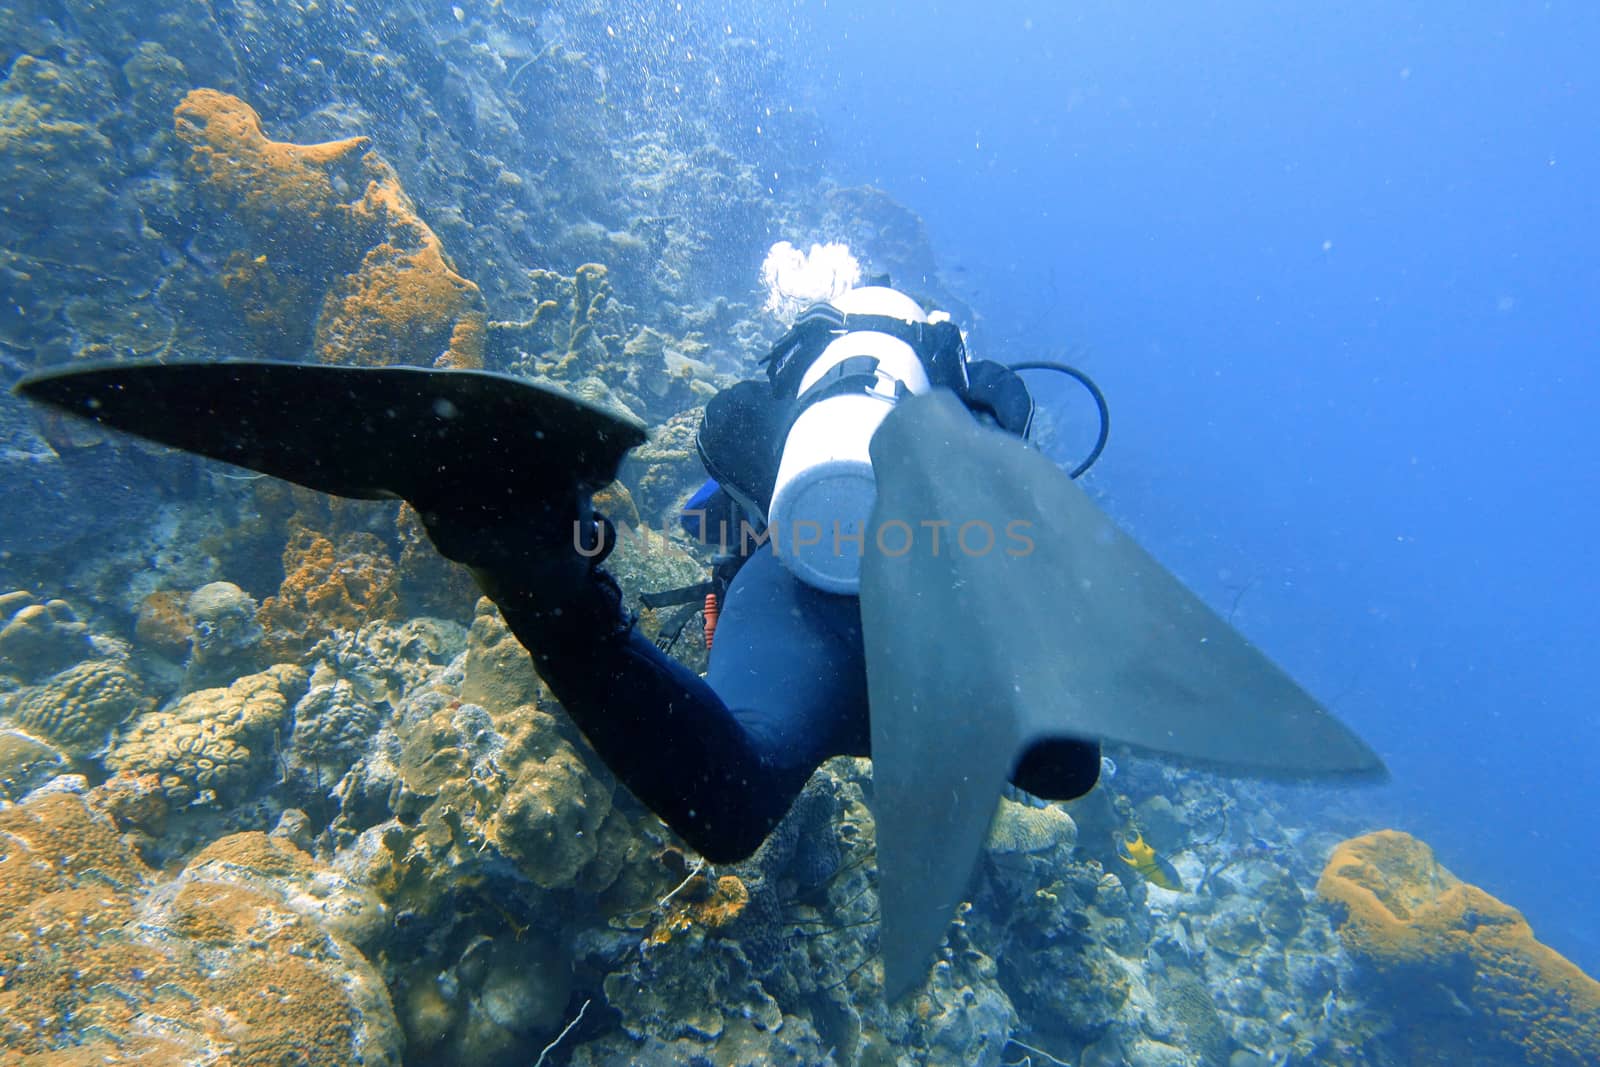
column 1152, row 868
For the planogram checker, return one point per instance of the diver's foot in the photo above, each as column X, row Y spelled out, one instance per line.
column 542, row 571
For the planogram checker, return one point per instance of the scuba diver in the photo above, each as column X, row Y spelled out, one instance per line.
column 721, row 759
column 902, row 576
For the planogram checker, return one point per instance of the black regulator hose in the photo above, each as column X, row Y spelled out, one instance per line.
column 1099, row 402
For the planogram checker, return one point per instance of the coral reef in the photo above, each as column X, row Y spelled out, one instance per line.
column 235, row 960
column 595, row 172
column 39, row 638
column 327, row 586
column 78, row 708
column 225, row 639
column 1479, row 988
column 382, row 287
column 211, row 746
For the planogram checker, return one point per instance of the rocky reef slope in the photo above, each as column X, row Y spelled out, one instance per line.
column 277, row 787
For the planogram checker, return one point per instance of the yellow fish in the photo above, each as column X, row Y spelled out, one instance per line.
column 1152, row 868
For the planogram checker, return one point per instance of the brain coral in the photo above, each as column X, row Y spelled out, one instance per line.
column 212, row 744
column 1022, row 828
column 103, row 962
column 1472, row 984
column 362, row 277
column 78, row 708
column 332, row 725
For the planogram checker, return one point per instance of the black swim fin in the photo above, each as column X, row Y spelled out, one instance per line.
column 1037, row 618
column 447, row 441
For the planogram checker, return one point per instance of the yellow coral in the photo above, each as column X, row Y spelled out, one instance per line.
column 211, row 743
column 271, row 187
column 703, row 905
column 91, row 956
column 1422, row 928
column 369, row 283
column 328, row 586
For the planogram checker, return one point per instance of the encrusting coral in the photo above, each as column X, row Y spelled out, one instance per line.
column 361, row 278
column 328, row 586
column 163, row 624
column 237, row 960
column 272, row 187
column 1480, row 988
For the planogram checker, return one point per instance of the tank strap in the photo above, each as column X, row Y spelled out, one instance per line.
column 937, row 344
column 858, row 374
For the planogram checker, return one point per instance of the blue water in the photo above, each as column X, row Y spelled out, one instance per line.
column 1338, row 272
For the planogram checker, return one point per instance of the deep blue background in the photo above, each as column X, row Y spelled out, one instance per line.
column 1338, row 272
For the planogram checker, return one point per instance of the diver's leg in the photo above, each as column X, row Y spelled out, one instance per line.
column 659, row 728
column 720, row 776
column 788, row 661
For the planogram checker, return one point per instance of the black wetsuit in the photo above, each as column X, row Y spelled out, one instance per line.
column 721, row 759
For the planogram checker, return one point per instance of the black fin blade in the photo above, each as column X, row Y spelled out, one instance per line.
column 441, row 439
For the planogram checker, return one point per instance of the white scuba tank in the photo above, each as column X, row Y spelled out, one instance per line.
column 823, row 496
